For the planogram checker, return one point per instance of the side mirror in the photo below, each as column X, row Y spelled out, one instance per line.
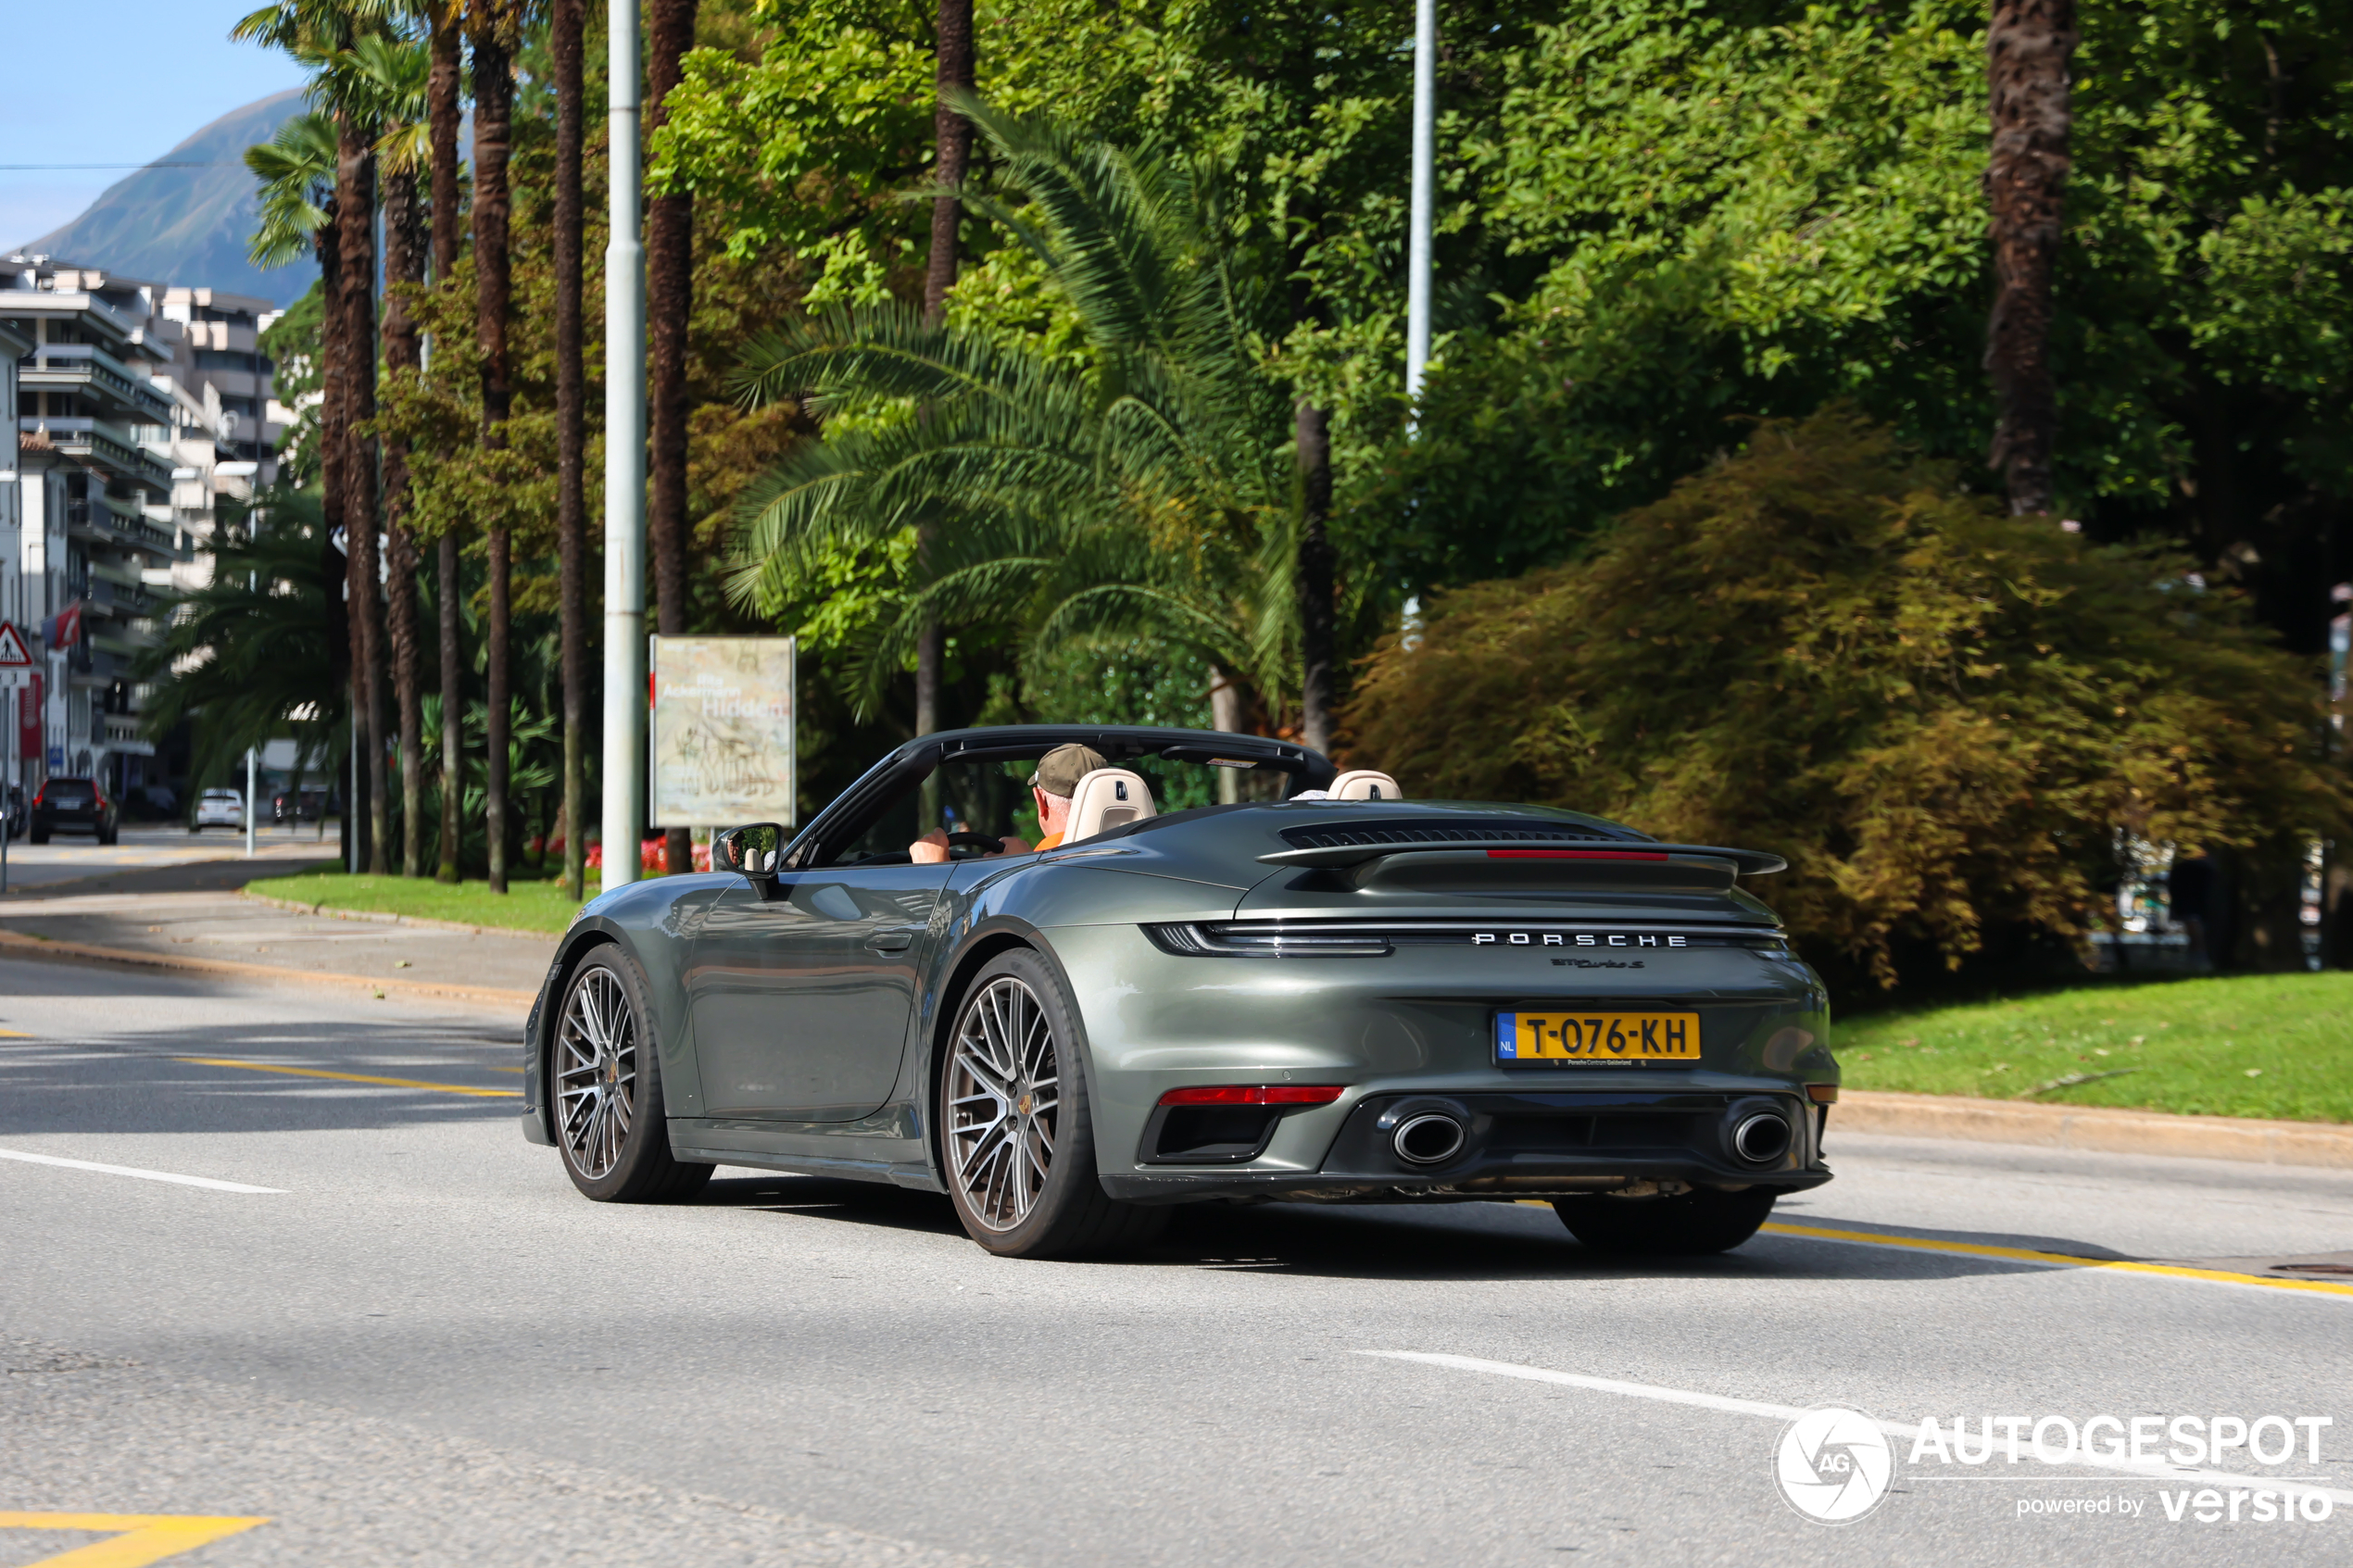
column 753, row 851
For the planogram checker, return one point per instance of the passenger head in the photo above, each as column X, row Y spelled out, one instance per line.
column 1057, row 777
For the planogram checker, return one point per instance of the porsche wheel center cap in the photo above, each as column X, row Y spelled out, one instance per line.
column 1022, row 1105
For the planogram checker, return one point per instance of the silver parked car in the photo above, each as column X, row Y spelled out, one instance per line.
column 1237, row 977
column 219, row 808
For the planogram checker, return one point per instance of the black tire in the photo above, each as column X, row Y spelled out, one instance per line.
column 604, row 1076
column 39, row 835
column 989, row 1136
column 1688, row 1225
column 109, row 837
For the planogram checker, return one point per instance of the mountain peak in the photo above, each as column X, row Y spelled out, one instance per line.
column 189, row 226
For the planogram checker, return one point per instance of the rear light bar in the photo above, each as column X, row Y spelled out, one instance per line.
column 1219, row 939
column 1573, row 854
column 1256, row 1094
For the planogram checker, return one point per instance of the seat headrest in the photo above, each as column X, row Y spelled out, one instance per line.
column 1106, row 798
column 1365, row 783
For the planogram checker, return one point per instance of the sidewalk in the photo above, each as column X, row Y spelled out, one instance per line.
column 156, row 916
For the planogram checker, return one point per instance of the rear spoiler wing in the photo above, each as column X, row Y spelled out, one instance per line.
column 1747, row 863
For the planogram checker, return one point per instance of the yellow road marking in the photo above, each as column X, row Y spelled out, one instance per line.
column 14, row 1034
column 148, row 1538
column 2025, row 1255
column 344, row 1077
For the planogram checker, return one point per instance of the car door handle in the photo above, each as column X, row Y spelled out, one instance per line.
column 890, row 941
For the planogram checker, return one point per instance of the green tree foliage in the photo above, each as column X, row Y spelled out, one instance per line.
column 1740, row 208
column 1819, row 646
column 250, row 656
column 1135, row 488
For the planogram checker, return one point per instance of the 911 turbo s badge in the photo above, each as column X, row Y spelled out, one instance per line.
column 1575, row 939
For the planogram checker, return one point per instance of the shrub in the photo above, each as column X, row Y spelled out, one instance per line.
column 1943, row 717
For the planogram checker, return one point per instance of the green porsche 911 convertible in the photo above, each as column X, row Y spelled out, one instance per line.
column 1072, row 975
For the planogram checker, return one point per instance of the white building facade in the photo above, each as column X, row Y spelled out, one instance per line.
column 138, row 407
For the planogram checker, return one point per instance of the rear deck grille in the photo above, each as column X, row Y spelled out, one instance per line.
column 1338, row 835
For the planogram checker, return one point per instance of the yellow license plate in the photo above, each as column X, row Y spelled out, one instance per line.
column 1597, row 1036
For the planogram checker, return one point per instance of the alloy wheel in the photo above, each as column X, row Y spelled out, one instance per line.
column 596, row 1072
column 1003, row 1096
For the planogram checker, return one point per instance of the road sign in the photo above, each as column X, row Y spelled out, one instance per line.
column 723, row 730
column 14, row 653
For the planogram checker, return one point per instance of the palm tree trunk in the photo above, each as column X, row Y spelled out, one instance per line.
column 447, row 588
column 494, row 111
column 1312, row 428
column 356, row 239
column 670, row 265
column 572, row 437
column 403, row 265
column 2026, row 46
column 333, row 426
column 952, row 154
column 442, row 89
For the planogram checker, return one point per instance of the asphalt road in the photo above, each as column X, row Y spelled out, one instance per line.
column 420, row 1346
column 78, row 858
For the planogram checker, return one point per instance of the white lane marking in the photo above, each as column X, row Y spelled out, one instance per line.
column 134, row 1170
column 2144, row 1468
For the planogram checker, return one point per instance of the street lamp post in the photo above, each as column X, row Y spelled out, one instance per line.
column 1417, row 264
column 625, row 468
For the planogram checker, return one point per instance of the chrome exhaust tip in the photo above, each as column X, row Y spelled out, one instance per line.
column 1432, row 1138
column 1761, row 1138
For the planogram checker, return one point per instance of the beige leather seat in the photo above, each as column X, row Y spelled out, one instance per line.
column 1365, row 783
column 1107, row 798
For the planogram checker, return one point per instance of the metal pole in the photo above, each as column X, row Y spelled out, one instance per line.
column 1417, row 240
column 250, row 811
column 625, row 467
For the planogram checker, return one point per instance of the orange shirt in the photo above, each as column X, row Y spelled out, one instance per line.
column 1047, row 843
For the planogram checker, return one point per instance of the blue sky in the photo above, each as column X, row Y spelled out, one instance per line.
column 118, row 82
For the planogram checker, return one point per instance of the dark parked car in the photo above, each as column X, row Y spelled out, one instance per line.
column 153, row 803
column 12, row 808
column 77, row 804
column 307, row 806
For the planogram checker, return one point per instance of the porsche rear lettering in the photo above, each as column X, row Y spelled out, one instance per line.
column 1574, row 939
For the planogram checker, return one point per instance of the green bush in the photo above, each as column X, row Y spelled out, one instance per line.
column 1943, row 717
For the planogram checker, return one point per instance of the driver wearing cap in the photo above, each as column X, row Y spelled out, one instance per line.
column 1052, row 786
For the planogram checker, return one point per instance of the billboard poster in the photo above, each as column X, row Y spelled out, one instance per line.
column 721, row 731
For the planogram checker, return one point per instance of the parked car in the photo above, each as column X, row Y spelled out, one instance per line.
column 219, row 808
column 308, row 806
column 13, row 811
column 153, row 803
column 79, row 803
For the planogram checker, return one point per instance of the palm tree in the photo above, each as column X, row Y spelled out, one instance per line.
column 951, row 151
column 565, row 25
column 297, row 168
column 321, row 33
column 252, row 654
column 492, row 32
column 444, row 90
column 1139, row 493
column 2026, row 46
column 397, row 71
column 669, row 269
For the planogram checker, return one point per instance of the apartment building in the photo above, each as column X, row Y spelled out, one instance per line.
column 138, row 406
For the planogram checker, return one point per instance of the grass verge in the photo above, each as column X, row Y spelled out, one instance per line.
column 538, row 906
column 2272, row 1046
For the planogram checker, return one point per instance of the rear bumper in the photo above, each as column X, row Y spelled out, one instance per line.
column 1521, row 1145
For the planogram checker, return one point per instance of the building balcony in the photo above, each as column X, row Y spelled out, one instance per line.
column 87, row 369
column 106, row 521
column 95, row 443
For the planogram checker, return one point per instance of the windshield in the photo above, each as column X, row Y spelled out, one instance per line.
column 992, row 798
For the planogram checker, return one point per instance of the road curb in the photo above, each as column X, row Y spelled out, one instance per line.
column 2324, row 1144
column 15, row 945
column 375, row 917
